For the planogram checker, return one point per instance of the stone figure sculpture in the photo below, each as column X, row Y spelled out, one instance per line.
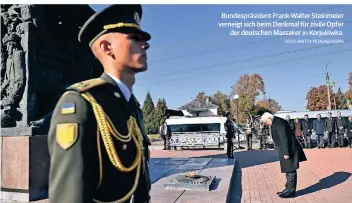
column 40, row 57
column 13, row 69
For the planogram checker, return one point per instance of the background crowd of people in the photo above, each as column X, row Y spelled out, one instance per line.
column 334, row 129
column 329, row 132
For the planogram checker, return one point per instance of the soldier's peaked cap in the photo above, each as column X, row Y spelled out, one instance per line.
column 115, row 18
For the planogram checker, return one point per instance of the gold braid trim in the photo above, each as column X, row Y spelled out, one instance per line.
column 107, row 140
column 104, row 125
column 116, row 134
column 100, row 159
column 118, row 25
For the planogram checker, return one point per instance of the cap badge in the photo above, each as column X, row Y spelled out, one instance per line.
column 137, row 18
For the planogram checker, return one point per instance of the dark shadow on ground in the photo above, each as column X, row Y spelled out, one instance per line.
column 246, row 159
column 215, row 184
column 325, row 183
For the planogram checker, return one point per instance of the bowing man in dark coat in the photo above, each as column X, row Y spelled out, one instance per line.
column 290, row 151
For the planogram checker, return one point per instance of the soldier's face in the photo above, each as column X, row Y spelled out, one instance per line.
column 130, row 50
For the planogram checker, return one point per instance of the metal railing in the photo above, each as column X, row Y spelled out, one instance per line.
column 197, row 139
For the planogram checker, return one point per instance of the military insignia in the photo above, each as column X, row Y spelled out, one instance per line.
column 137, row 18
column 68, row 108
column 86, row 85
column 66, row 134
column 124, row 147
column 117, row 95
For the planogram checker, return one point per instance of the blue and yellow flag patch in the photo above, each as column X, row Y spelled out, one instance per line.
column 68, row 108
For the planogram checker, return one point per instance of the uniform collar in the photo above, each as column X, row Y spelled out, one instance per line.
column 124, row 89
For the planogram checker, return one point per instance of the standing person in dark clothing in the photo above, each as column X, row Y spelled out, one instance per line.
column 330, row 128
column 260, row 131
column 165, row 134
column 230, row 134
column 298, row 131
column 318, row 128
column 249, row 134
column 349, row 131
column 291, row 123
column 307, row 131
column 340, row 129
column 290, row 152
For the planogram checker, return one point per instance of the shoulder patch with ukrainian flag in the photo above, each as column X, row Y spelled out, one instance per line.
column 66, row 134
column 68, row 108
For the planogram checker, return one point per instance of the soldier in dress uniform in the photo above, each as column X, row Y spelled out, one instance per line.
column 230, row 134
column 97, row 143
column 260, row 131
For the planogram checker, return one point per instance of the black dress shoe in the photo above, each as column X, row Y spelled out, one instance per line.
column 287, row 194
column 278, row 193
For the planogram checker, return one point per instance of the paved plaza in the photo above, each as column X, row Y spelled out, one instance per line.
column 324, row 178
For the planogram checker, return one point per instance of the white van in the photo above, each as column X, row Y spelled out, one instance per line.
column 198, row 131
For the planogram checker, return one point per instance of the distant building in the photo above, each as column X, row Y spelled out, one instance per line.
column 199, row 109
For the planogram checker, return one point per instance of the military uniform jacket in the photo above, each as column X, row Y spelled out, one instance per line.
column 230, row 129
column 258, row 128
column 81, row 170
column 287, row 144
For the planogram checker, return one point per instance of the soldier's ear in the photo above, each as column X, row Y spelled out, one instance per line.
column 106, row 47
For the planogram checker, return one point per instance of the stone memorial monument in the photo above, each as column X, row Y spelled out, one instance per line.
column 40, row 57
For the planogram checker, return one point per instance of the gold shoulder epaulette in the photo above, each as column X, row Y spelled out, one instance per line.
column 86, row 85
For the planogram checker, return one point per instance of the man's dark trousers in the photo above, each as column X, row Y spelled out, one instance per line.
column 307, row 141
column 331, row 139
column 340, row 137
column 229, row 147
column 262, row 141
column 291, row 181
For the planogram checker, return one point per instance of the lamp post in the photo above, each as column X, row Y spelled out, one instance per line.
column 236, row 97
column 328, row 83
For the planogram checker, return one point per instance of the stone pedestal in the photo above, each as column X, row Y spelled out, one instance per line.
column 24, row 165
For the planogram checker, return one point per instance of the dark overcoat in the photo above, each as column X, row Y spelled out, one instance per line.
column 230, row 129
column 287, row 144
column 349, row 129
column 81, row 169
column 341, row 125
